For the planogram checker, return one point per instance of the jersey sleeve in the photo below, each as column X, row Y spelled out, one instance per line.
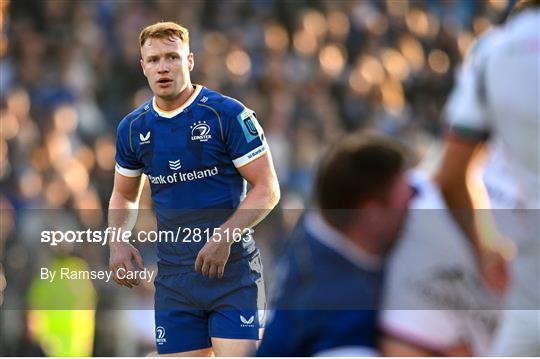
column 127, row 163
column 244, row 137
column 466, row 111
column 299, row 332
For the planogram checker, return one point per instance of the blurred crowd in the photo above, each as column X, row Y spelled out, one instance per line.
column 311, row 70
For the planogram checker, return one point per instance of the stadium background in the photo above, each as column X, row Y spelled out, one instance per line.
column 312, row 71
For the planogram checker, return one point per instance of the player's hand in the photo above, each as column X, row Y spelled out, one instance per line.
column 493, row 268
column 213, row 257
column 121, row 256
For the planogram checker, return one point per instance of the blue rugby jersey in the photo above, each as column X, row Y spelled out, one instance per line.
column 326, row 298
column 191, row 156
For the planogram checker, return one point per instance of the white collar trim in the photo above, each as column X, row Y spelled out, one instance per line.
column 336, row 241
column 176, row 111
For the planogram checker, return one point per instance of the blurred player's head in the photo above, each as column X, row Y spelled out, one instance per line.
column 362, row 191
column 165, row 59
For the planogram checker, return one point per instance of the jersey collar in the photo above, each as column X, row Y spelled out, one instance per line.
column 334, row 240
column 176, row 111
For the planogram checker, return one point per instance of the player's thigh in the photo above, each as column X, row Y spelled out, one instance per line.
column 261, row 337
column 207, row 352
column 182, row 331
column 234, row 347
column 179, row 326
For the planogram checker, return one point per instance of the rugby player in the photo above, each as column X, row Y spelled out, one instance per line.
column 497, row 100
column 329, row 292
column 434, row 299
column 198, row 149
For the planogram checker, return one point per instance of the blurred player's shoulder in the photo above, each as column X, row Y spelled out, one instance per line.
column 483, row 44
column 524, row 21
column 518, row 36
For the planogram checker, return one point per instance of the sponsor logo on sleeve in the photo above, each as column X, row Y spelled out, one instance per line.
column 250, row 126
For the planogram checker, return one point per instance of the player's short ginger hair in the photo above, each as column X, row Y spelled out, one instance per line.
column 164, row 29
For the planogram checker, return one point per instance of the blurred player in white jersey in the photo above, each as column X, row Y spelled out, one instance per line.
column 498, row 98
column 435, row 302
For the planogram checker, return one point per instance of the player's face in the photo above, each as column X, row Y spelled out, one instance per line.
column 396, row 206
column 166, row 63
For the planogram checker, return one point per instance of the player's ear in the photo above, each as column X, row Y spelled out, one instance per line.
column 191, row 63
column 142, row 66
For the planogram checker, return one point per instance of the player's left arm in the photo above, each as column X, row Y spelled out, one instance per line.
column 263, row 196
column 260, row 200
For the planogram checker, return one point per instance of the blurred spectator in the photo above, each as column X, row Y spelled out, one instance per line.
column 62, row 311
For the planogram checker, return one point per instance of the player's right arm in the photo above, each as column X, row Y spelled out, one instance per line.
column 469, row 128
column 452, row 181
column 124, row 202
column 123, row 208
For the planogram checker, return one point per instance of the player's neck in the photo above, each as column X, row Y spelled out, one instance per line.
column 172, row 104
column 363, row 241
